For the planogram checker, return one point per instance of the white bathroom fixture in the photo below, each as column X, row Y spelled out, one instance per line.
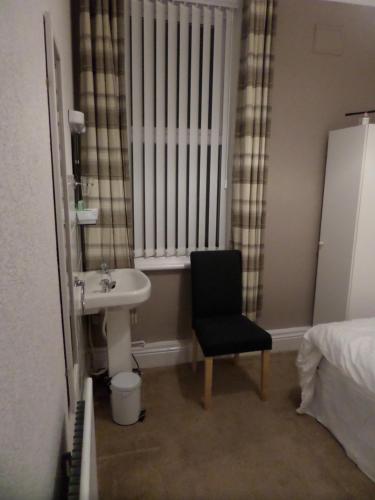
column 87, row 216
column 132, row 287
column 116, row 292
column 126, row 398
column 76, row 121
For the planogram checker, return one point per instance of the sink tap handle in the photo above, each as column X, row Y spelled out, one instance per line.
column 105, row 284
column 104, row 267
column 78, row 282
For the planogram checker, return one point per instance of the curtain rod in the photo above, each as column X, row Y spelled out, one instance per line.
column 360, row 112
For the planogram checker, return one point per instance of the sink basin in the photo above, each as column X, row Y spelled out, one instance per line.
column 131, row 289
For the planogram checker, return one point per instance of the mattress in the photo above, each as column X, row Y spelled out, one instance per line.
column 347, row 345
column 348, row 411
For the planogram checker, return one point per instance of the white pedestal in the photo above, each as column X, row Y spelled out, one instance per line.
column 119, row 341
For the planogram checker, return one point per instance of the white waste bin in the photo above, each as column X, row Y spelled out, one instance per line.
column 126, row 397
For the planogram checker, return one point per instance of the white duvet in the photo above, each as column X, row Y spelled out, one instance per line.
column 348, row 345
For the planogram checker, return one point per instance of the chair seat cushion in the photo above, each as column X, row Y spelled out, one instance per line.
column 219, row 335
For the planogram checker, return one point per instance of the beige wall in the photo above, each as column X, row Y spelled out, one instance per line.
column 167, row 314
column 311, row 94
column 33, row 403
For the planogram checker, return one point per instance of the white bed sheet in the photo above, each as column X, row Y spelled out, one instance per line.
column 347, row 345
column 348, row 411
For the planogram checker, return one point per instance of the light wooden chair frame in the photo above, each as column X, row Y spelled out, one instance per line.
column 208, row 371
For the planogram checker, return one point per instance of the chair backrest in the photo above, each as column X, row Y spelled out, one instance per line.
column 216, row 283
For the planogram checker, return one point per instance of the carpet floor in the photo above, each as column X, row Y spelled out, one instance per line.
column 242, row 448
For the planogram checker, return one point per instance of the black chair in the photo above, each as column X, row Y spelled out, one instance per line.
column 218, row 323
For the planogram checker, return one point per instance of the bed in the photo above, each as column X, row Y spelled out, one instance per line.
column 336, row 364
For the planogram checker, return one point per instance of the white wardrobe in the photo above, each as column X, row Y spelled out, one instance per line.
column 345, row 284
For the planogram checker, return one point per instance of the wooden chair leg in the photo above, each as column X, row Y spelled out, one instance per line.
column 207, row 399
column 195, row 352
column 236, row 359
column 265, row 372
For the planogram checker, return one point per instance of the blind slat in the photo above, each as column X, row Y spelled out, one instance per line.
column 136, row 24
column 226, row 126
column 204, row 127
column 160, row 128
column 215, row 129
column 149, row 101
column 171, row 146
column 182, row 127
column 194, row 124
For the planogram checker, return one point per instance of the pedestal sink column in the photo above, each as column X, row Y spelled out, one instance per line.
column 119, row 341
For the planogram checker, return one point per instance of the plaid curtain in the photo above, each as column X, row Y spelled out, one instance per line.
column 250, row 158
column 104, row 152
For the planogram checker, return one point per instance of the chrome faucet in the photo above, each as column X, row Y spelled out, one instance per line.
column 78, row 282
column 107, row 283
column 104, row 269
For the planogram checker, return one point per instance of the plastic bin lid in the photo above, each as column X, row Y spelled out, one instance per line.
column 125, row 381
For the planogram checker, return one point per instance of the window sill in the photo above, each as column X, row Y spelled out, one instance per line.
column 162, row 263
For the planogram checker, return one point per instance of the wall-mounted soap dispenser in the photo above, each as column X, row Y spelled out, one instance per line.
column 76, row 121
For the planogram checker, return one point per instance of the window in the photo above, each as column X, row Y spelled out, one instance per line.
column 180, row 77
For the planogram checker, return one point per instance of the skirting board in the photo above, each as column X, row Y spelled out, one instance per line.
column 175, row 352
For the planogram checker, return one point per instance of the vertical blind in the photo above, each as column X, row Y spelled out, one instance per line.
column 179, row 58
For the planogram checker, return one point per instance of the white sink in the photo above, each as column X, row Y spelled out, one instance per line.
column 131, row 289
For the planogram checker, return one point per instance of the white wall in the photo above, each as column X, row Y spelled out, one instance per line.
column 33, row 402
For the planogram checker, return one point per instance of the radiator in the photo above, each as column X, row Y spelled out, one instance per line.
column 83, row 481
